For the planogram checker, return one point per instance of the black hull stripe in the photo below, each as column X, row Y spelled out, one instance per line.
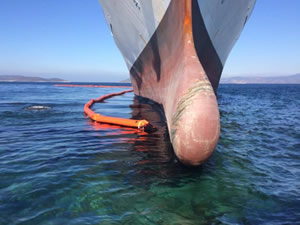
column 205, row 49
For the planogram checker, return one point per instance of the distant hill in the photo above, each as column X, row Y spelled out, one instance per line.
column 292, row 79
column 18, row 78
column 126, row 81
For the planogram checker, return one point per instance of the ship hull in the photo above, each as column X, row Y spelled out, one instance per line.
column 169, row 72
column 179, row 67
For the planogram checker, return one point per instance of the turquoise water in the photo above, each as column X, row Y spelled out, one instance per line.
column 58, row 167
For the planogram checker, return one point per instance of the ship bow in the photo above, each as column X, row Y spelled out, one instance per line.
column 169, row 72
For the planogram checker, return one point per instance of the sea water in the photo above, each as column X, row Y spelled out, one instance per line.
column 59, row 167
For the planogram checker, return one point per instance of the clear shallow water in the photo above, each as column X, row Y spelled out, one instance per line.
column 58, row 167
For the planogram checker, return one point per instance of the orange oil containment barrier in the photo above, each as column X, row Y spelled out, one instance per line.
column 88, row 85
column 140, row 124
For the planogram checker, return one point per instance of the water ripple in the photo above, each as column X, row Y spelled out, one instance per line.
column 57, row 166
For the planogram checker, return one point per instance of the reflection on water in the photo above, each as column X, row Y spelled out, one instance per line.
column 155, row 147
column 37, row 107
column 59, row 167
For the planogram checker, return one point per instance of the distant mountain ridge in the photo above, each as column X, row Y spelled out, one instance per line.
column 291, row 79
column 19, row 78
column 126, row 81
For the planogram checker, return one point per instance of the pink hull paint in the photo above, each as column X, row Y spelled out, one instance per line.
column 169, row 72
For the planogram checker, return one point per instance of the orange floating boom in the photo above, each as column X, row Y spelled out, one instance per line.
column 89, row 85
column 140, row 124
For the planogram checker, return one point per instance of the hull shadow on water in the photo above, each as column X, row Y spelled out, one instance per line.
column 151, row 154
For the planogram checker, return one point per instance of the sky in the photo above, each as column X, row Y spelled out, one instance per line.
column 70, row 39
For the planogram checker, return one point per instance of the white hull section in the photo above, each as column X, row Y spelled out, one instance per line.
column 224, row 21
column 133, row 22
